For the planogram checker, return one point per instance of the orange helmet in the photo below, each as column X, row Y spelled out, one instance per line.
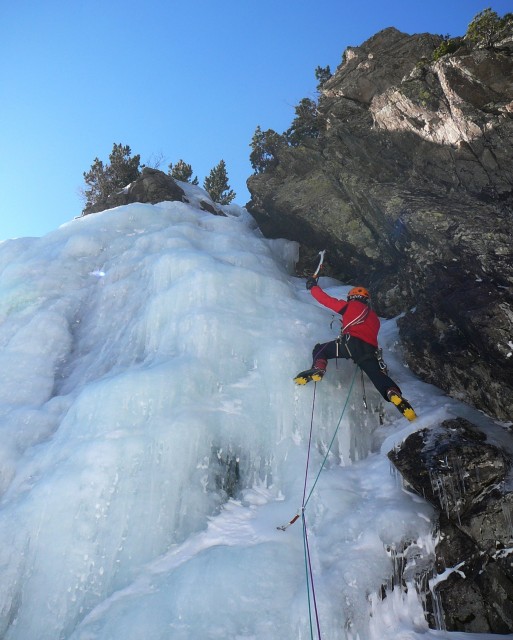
column 358, row 293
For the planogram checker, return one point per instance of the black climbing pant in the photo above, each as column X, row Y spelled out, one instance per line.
column 362, row 353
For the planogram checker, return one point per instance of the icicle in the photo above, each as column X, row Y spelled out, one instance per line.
column 412, row 563
column 438, row 611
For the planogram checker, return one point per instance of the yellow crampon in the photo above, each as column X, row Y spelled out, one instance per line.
column 404, row 406
column 307, row 376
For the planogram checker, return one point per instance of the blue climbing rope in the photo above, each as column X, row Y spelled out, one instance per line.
column 310, row 587
column 305, row 502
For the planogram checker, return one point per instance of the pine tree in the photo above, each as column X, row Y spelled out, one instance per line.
column 182, row 171
column 97, row 178
column 264, row 148
column 103, row 180
column 448, row 46
column 216, row 184
column 305, row 124
column 123, row 168
column 487, row 29
column 322, row 74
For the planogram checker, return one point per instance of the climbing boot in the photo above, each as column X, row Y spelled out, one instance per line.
column 395, row 397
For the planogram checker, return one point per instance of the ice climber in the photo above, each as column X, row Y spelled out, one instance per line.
column 358, row 341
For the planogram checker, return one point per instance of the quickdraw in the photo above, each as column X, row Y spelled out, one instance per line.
column 284, row 527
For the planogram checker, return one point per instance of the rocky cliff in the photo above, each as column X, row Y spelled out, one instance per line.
column 409, row 186
column 465, row 474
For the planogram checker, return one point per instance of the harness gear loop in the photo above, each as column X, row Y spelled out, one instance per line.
column 381, row 362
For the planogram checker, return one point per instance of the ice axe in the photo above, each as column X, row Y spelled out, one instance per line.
column 319, row 266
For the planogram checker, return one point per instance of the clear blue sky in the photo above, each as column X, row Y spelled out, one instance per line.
column 189, row 79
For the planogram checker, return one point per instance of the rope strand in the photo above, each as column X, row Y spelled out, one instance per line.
column 309, row 445
column 308, row 561
column 305, row 502
column 310, row 587
column 333, row 438
column 309, row 571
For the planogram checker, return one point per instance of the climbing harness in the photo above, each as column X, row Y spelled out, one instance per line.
column 306, row 498
column 345, row 339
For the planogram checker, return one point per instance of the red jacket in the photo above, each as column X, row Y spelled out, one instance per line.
column 358, row 320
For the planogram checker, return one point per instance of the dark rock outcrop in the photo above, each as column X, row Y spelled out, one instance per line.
column 410, row 189
column 465, row 478
column 152, row 186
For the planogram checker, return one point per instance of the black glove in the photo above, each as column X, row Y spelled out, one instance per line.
column 311, row 282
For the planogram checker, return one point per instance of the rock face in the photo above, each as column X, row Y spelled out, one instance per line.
column 151, row 186
column 465, row 478
column 409, row 187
